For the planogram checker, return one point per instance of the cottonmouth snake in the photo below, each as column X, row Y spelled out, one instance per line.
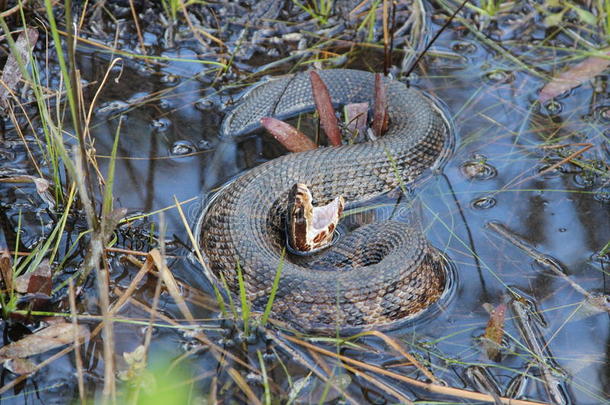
column 398, row 275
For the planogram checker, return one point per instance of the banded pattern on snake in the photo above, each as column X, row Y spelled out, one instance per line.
column 394, row 271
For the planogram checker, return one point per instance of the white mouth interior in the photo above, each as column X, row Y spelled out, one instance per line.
column 326, row 215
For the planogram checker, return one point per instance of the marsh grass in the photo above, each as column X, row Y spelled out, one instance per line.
column 234, row 367
column 320, row 10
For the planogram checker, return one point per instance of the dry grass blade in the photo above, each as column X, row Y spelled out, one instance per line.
column 43, row 340
column 11, row 74
column 170, row 283
column 14, row 9
column 403, row 399
column 435, row 388
column 152, row 317
column 77, row 357
column 322, row 375
column 134, row 15
column 554, row 166
column 575, row 76
column 92, row 261
column 243, row 385
column 548, row 262
column 290, row 137
column 396, row 346
column 324, row 105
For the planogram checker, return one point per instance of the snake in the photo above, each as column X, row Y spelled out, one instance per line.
column 373, row 277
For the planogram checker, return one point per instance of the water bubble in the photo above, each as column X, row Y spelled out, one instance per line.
column 603, row 195
column 477, row 168
column 254, row 378
column 181, row 148
column 562, row 230
column 547, row 169
column 584, row 179
column 226, row 342
column 553, row 107
column 498, row 76
column 204, row 144
column 165, row 104
column 464, row 47
column 204, row 104
column 603, row 113
column 269, row 357
column 162, row 124
column 169, row 78
column 111, row 107
column 483, row 203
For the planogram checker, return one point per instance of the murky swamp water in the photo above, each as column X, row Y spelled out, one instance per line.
column 169, row 149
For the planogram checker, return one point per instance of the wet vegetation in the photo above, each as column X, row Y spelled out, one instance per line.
column 110, row 149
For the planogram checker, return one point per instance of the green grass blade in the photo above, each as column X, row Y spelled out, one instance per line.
column 274, row 287
column 107, row 203
column 267, row 395
column 245, row 305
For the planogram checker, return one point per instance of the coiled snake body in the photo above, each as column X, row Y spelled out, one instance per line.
column 384, row 271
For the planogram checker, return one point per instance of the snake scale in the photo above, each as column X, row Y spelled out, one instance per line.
column 385, row 271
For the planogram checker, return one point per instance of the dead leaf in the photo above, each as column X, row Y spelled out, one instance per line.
column 6, row 270
column 575, row 76
column 11, row 74
column 494, row 332
column 324, row 105
column 43, row 340
column 292, row 139
column 380, row 114
column 37, row 281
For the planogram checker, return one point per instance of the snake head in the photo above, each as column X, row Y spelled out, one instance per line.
column 311, row 228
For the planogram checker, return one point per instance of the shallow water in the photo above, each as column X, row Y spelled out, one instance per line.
column 169, row 149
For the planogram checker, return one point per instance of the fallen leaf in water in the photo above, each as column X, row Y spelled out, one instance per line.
column 11, row 74
column 324, row 105
column 292, row 139
column 37, row 281
column 43, row 340
column 6, row 270
column 356, row 116
column 575, row 76
column 494, row 332
column 380, row 114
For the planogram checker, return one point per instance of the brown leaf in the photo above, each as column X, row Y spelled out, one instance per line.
column 356, row 116
column 41, row 341
column 37, row 281
column 292, row 139
column 40, row 281
column 11, row 75
column 495, row 331
column 6, row 270
column 575, row 76
column 324, row 105
column 380, row 114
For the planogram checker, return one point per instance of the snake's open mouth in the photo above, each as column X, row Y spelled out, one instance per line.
column 311, row 228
